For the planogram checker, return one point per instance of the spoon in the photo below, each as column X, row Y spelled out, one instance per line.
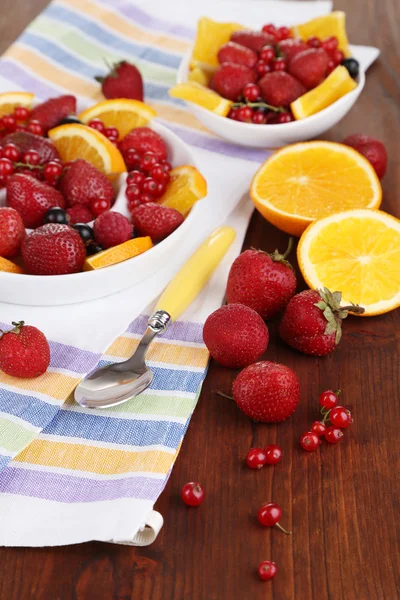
column 119, row 382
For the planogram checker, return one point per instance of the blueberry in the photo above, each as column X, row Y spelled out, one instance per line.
column 68, row 120
column 352, row 65
column 93, row 248
column 85, row 232
column 56, row 215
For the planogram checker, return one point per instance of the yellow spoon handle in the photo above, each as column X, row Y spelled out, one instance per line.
column 193, row 276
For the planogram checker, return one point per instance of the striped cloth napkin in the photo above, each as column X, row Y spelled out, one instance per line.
column 69, row 474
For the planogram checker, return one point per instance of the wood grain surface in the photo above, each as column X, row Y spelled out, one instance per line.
column 342, row 503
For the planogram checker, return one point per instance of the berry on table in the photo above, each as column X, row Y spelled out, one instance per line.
column 97, row 124
column 329, row 399
column 267, row 570
column 318, row 428
column 21, row 113
column 35, row 127
column 245, row 114
column 56, row 215
column 372, row 149
column 352, row 65
column 279, row 64
column 269, row 515
column 11, row 152
column 192, row 494
column 251, row 92
column 99, row 205
column 309, row 441
column 340, row 417
column 273, row 454
column 86, row 232
column 24, row 351
column 267, row 54
column 313, row 42
column 256, row 458
column 333, row 435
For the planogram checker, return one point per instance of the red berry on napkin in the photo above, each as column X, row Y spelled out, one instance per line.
column 123, row 81
column 24, row 351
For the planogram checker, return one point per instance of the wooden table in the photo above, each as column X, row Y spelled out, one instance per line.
column 341, row 502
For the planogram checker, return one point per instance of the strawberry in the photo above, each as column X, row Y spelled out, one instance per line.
column 155, row 220
column 310, row 67
column 79, row 214
column 24, row 140
column 144, row 139
column 24, row 351
column 264, row 282
column 52, row 111
column 81, row 183
column 32, row 198
column 372, row 149
column 291, row 47
column 255, row 40
column 237, row 54
column 123, row 81
column 267, row 392
column 235, row 335
column 229, row 80
column 53, row 249
column 280, row 88
column 12, row 232
column 312, row 322
column 112, row 228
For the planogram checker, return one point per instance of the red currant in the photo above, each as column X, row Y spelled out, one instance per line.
column 318, row 428
column 330, row 44
column 279, row 64
column 145, row 198
column 161, row 187
column 259, row 118
column 166, row 165
column 20, row 127
column 337, row 57
column 6, row 168
column 256, row 458
column 333, row 435
column 149, row 186
column 233, row 114
column 262, row 68
column 133, row 204
column 267, row 570
column 99, row 206
column 331, row 66
column 31, row 157
column 283, row 33
column 313, row 42
column 11, row 151
column 274, row 454
column 133, row 192
column 114, row 141
column 245, row 114
column 148, row 161
column 310, row 441
column 192, row 494
column 285, row 117
column 9, row 122
column 269, row 28
column 340, row 417
column 97, row 124
column 328, row 399
column 251, row 92
column 21, row 113
column 52, row 171
column 35, row 127
column 132, row 159
column 111, row 132
column 269, row 514
column 135, row 177
column 267, row 54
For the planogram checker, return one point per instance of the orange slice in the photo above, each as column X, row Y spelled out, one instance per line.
column 121, row 113
column 118, row 254
column 211, row 35
column 79, row 141
column 200, row 76
column 304, row 182
column 358, row 253
column 8, row 266
column 187, row 186
column 337, row 84
column 198, row 94
column 10, row 100
column 332, row 24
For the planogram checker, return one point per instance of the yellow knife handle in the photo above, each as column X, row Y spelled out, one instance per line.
column 194, row 274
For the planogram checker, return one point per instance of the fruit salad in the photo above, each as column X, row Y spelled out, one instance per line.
column 270, row 76
column 64, row 178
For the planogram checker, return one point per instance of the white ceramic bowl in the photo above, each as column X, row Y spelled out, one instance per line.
column 36, row 290
column 273, row 136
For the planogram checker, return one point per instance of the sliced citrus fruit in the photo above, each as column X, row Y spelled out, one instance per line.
column 187, row 185
column 332, row 24
column 211, row 35
column 336, row 85
column 200, row 76
column 358, row 253
column 8, row 266
column 79, row 141
column 118, row 254
column 121, row 113
column 198, row 94
column 304, row 182
column 10, row 100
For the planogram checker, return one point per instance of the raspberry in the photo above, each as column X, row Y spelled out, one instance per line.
column 79, row 214
column 111, row 229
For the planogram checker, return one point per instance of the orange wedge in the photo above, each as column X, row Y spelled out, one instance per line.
column 121, row 113
column 79, row 141
column 8, row 266
column 332, row 24
column 118, row 254
column 211, row 35
column 187, row 185
column 198, row 94
column 200, row 76
column 10, row 100
column 304, row 182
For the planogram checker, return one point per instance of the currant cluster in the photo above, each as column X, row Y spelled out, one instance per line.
column 12, row 160
column 339, row 417
column 147, row 179
column 111, row 133
column 19, row 121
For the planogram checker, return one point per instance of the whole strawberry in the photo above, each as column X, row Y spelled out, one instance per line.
column 237, row 54
column 123, row 81
column 111, row 229
column 255, row 40
column 24, row 351
column 264, row 282
column 235, row 335
column 52, row 111
column 267, row 392
column 312, row 322
column 144, row 139
column 291, row 47
column 310, row 67
column 230, row 79
column 31, row 198
column 372, row 149
column 82, row 183
column 155, row 220
column 53, row 249
column 24, row 140
column 280, row 88
column 12, row 232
